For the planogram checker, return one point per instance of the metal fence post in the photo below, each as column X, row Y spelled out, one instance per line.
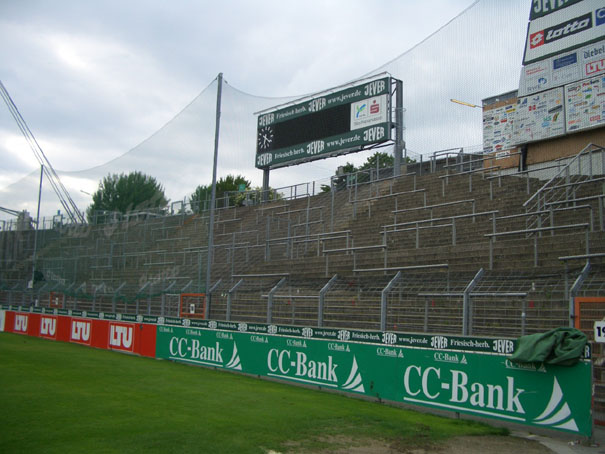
column 322, row 300
column 281, row 282
column 230, row 298
column 467, row 315
column 383, row 300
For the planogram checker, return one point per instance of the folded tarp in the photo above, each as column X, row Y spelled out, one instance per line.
column 562, row 346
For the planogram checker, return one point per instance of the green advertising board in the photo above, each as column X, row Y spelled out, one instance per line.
column 329, row 124
column 471, row 382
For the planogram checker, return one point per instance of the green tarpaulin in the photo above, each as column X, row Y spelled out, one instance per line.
column 562, row 346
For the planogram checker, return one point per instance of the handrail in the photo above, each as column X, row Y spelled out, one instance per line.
column 467, row 172
column 557, row 175
column 424, row 221
column 401, row 268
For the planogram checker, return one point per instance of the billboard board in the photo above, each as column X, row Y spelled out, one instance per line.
column 539, row 117
column 568, row 67
column 326, row 125
column 572, row 25
column 585, row 104
column 498, row 127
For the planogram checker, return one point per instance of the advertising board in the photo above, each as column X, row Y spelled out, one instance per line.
column 539, row 116
column 563, row 69
column 569, row 27
column 334, row 123
column 498, row 127
column 487, row 385
column 585, row 104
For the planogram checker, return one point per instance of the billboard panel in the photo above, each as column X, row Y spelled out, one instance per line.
column 498, row 127
column 539, row 116
column 487, row 385
column 564, row 29
column 585, row 104
column 326, row 125
column 542, row 8
column 563, row 69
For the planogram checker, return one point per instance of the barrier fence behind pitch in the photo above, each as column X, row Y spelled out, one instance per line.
column 459, row 374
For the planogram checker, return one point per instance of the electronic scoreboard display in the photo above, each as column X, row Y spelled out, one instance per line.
column 328, row 125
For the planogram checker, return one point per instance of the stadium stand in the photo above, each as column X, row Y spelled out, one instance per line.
column 387, row 253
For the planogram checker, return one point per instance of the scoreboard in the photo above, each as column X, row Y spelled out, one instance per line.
column 331, row 124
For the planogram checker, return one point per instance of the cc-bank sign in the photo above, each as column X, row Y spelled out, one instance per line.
column 568, row 28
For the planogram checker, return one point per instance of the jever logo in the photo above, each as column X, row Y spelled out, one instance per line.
column 21, row 323
column 48, row 327
column 121, row 336
column 80, row 331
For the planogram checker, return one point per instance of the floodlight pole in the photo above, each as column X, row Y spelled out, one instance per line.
column 37, row 227
column 399, row 143
column 219, row 92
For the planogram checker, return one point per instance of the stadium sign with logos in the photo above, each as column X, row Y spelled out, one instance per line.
column 587, row 61
column 329, row 124
column 570, row 25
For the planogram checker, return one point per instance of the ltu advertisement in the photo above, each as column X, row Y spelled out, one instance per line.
column 486, row 385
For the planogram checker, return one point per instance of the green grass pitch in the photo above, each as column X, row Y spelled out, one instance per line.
column 60, row 397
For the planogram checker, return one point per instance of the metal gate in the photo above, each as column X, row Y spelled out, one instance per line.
column 588, row 310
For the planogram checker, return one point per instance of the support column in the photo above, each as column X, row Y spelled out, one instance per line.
column 219, row 92
column 399, row 143
column 265, row 197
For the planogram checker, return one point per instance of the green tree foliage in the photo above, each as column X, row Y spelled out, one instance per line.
column 379, row 160
column 227, row 191
column 123, row 193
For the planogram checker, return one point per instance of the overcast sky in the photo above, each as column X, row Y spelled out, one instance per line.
column 94, row 79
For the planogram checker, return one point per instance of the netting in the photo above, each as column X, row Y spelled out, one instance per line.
column 476, row 55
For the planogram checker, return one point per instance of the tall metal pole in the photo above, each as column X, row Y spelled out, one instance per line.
column 37, row 227
column 399, row 143
column 219, row 92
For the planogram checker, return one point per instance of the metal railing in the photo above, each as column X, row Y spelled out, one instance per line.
column 562, row 184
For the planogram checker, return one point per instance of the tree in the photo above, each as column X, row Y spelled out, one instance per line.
column 379, row 159
column 383, row 160
column 229, row 186
column 123, row 193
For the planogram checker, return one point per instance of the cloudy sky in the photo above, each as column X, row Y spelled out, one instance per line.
column 95, row 79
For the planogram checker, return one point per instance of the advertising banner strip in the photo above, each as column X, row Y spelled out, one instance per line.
column 444, row 342
column 105, row 334
column 491, row 386
column 327, row 101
